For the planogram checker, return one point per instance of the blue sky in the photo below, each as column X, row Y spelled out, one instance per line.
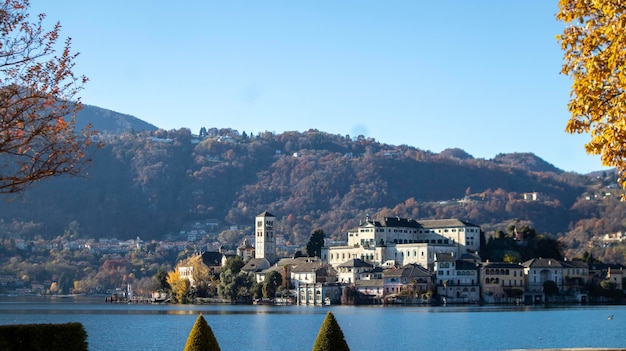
column 482, row 76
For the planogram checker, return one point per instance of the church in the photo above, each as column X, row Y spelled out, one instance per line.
column 264, row 249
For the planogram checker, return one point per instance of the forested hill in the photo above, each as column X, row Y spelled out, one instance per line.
column 148, row 184
column 110, row 122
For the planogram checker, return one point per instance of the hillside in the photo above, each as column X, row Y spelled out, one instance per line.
column 150, row 184
column 108, row 121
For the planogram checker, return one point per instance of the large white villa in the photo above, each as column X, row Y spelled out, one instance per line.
column 401, row 241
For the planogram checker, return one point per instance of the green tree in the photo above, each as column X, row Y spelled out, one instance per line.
column 38, row 102
column 234, row 284
column 315, row 244
column 550, row 288
column 160, row 280
column 201, row 337
column 594, row 57
column 330, row 336
column 272, row 281
column 234, row 264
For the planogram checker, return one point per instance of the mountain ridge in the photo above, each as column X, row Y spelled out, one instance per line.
column 152, row 183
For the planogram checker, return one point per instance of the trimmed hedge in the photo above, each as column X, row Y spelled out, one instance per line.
column 43, row 337
column 201, row 337
column 330, row 336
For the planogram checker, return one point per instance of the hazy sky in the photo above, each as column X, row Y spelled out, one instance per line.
column 482, row 76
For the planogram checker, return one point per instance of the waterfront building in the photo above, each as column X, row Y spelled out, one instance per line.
column 457, row 279
column 502, row 282
column 537, row 272
column 410, row 280
column 319, row 294
column 371, row 289
column 575, row 276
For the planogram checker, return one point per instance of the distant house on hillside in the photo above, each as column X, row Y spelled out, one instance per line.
column 534, row 196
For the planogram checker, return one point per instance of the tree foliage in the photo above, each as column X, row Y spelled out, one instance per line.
column 330, row 336
column 38, row 102
column 201, row 337
column 234, row 285
column 273, row 280
column 550, row 288
column 593, row 42
column 520, row 243
column 315, row 244
column 181, row 288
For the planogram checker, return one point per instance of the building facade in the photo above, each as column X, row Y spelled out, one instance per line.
column 401, row 241
column 502, row 282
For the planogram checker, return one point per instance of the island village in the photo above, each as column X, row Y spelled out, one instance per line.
column 396, row 260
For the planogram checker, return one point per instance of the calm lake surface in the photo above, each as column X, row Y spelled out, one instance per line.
column 166, row 327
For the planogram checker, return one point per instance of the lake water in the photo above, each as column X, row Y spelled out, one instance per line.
column 166, row 327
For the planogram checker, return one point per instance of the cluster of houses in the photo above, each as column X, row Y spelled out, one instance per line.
column 398, row 260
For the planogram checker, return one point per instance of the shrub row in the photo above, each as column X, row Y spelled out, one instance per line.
column 43, row 337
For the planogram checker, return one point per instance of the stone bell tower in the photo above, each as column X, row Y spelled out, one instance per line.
column 265, row 243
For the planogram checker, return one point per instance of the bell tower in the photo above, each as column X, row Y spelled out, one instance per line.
column 265, row 243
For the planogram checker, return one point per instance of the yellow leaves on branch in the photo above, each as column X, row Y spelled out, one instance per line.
column 594, row 45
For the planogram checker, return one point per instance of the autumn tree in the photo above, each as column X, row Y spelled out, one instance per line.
column 593, row 42
column 38, row 102
column 181, row 287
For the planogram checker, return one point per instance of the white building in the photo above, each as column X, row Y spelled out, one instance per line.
column 318, row 294
column 350, row 271
column 405, row 241
column 456, row 279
